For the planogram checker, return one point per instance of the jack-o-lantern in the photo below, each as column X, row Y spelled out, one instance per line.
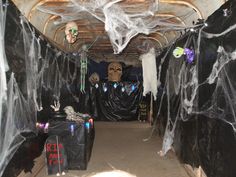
column 71, row 32
column 114, row 72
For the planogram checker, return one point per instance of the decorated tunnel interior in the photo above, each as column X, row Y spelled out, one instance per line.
column 194, row 109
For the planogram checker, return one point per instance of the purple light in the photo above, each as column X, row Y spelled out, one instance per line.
column 189, row 55
column 46, row 126
column 41, row 125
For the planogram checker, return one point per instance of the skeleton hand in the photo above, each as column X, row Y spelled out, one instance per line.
column 161, row 153
column 56, row 106
column 39, row 108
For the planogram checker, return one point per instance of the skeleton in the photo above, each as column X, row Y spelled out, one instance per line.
column 72, row 115
column 56, row 106
column 114, row 72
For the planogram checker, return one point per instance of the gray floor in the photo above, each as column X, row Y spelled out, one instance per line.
column 120, row 146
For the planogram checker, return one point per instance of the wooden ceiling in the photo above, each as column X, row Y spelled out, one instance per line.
column 91, row 30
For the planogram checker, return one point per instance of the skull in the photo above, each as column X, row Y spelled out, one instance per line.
column 94, row 78
column 69, row 110
column 114, row 72
column 71, row 32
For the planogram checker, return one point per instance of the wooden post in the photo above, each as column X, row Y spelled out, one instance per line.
column 151, row 110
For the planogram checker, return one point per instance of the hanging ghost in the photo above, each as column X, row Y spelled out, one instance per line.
column 149, row 72
column 71, row 32
column 114, row 72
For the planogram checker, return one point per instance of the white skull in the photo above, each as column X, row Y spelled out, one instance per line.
column 71, row 32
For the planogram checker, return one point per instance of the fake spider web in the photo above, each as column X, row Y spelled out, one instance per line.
column 21, row 99
column 123, row 20
column 186, row 87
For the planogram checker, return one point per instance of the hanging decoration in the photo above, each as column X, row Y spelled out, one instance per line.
column 178, row 52
column 83, row 68
column 42, row 127
column 94, row 78
column 71, row 32
column 189, row 53
column 149, row 72
column 114, row 72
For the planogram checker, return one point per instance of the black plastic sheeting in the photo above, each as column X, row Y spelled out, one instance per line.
column 56, row 157
column 203, row 141
column 14, row 46
column 69, row 94
column 116, row 101
column 78, row 143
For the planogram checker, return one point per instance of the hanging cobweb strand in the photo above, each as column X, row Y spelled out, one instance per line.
column 18, row 120
column 83, row 70
column 168, row 138
column 11, row 102
column 3, row 61
column 31, row 49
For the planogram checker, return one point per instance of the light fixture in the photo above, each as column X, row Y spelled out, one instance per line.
column 87, row 125
column 133, row 88
column 225, row 12
column 43, row 126
column 104, row 88
column 72, row 129
column 123, row 89
column 91, row 122
column 192, row 29
column 115, row 85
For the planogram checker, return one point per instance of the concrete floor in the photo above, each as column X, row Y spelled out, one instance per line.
column 120, row 145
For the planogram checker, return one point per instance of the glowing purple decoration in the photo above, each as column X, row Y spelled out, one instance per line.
column 41, row 126
column 46, row 125
column 189, row 55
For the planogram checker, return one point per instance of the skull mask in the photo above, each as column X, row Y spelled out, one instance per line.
column 94, row 78
column 114, row 72
column 71, row 32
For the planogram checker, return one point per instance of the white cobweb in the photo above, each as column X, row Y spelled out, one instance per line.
column 21, row 99
column 186, row 83
column 123, row 19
